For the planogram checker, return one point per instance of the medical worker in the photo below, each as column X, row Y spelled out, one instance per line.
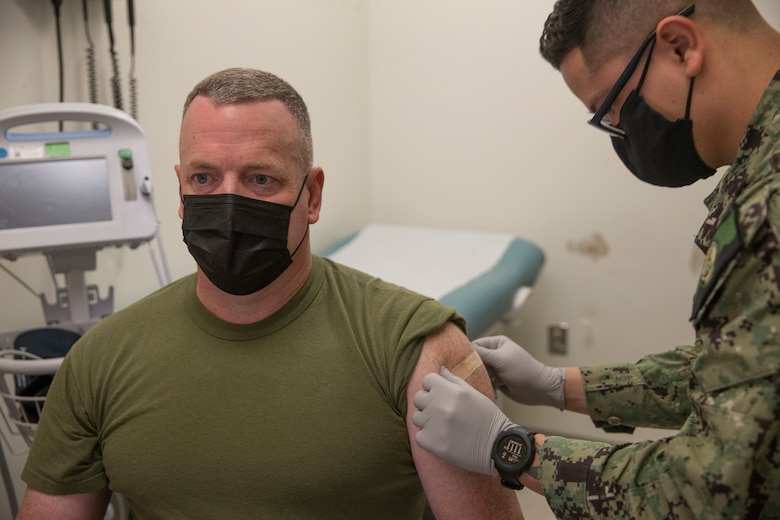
column 681, row 90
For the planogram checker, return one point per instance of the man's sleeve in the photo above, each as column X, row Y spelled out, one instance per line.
column 652, row 392
column 65, row 456
column 702, row 472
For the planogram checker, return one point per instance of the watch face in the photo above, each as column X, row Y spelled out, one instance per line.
column 512, row 450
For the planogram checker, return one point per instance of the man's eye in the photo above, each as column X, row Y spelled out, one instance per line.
column 201, row 178
column 261, row 179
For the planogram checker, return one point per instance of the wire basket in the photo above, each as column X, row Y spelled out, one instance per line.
column 24, row 381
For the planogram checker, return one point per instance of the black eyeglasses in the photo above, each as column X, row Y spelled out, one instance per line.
column 600, row 119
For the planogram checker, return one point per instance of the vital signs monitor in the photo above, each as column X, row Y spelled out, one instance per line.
column 84, row 188
column 74, row 178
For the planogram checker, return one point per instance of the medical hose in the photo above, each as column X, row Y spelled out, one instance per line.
column 91, row 65
column 133, row 81
column 116, row 86
column 58, row 21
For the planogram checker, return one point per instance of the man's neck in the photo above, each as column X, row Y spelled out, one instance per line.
column 260, row 305
column 743, row 70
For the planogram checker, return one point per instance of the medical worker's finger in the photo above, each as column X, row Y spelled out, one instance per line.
column 449, row 376
column 489, row 342
column 420, row 418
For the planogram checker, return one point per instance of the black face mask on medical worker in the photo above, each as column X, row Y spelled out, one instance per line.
column 240, row 243
column 655, row 149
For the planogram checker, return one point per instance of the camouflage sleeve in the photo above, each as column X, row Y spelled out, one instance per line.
column 702, row 472
column 652, row 392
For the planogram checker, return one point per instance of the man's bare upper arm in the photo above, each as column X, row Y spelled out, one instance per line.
column 83, row 506
column 454, row 493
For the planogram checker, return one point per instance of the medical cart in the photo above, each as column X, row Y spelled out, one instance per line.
column 74, row 178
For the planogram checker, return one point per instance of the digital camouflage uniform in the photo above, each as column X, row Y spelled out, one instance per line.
column 723, row 393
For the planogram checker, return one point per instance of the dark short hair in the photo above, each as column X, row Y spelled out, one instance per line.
column 564, row 30
column 603, row 29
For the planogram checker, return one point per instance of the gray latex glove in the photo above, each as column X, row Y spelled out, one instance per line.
column 457, row 423
column 519, row 375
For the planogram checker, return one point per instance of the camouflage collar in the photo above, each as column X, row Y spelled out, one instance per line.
column 752, row 166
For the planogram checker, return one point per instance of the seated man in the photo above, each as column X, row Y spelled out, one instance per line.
column 270, row 384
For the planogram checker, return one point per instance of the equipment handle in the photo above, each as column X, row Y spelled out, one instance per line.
column 31, row 367
column 108, row 116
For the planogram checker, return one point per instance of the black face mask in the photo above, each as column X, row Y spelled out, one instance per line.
column 239, row 243
column 655, row 149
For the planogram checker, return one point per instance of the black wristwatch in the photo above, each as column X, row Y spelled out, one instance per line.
column 513, row 453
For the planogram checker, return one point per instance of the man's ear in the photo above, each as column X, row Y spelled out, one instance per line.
column 315, row 193
column 681, row 36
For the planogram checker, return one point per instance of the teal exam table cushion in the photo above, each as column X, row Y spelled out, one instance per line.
column 483, row 275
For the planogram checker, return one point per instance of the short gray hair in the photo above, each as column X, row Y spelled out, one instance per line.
column 241, row 85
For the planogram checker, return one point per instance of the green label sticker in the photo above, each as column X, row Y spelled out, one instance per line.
column 58, row 149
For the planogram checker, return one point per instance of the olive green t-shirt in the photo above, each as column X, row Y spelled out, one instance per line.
column 301, row 415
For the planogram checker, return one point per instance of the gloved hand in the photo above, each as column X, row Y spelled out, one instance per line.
column 519, row 375
column 457, row 423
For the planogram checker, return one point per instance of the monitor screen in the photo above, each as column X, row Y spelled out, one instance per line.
column 49, row 193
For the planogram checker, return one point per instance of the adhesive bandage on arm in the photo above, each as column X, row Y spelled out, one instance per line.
column 467, row 367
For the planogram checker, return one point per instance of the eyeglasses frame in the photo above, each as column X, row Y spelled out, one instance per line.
column 606, row 105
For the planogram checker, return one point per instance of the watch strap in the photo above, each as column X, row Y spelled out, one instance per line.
column 512, row 484
column 510, row 478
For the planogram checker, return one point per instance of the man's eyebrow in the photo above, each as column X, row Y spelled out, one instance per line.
column 201, row 165
column 205, row 165
column 269, row 167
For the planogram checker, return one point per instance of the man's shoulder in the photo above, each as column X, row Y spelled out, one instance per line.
column 350, row 278
column 363, row 291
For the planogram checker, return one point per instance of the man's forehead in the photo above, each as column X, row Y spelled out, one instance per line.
column 578, row 77
column 269, row 117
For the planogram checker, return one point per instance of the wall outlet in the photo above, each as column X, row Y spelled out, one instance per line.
column 558, row 338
